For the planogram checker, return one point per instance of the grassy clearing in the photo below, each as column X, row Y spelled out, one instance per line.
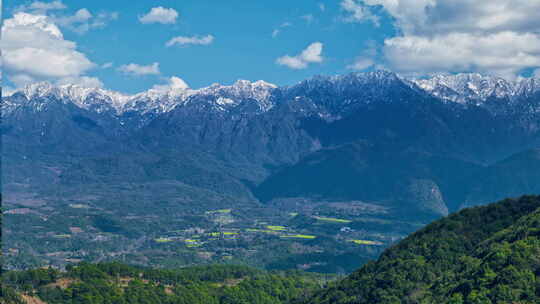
column 276, row 228
column 268, row 231
column 299, row 236
column 332, row 220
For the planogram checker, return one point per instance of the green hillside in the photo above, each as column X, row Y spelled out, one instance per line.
column 480, row 255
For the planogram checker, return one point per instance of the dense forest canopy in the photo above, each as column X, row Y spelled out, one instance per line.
column 116, row 283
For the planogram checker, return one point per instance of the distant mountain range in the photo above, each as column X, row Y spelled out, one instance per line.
column 433, row 145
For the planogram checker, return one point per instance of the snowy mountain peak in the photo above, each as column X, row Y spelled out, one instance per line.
column 463, row 88
column 528, row 86
column 227, row 96
column 81, row 96
column 37, row 89
column 159, row 99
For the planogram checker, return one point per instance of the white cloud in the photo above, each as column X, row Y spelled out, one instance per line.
column 39, row 7
column 366, row 59
column 83, row 81
column 498, row 37
column 442, row 16
column 21, row 80
column 34, row 49
column 278, row 30
column 134, row 69
column 357, row 11
column 312, row 54
column 195, row 40
column 503, row 54
column 80, row 22
column 361, row 63
column 160, row 15
column 107, row 65
column 83, row 21
column 173, row 83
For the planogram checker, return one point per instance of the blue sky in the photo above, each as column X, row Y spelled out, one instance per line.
column 238, row 39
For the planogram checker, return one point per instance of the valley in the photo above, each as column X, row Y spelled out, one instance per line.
column 320, row 176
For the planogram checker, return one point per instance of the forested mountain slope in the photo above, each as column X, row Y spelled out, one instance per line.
column 485, row 254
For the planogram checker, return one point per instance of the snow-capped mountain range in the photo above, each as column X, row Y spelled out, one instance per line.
column 463, row 88
column 460, row 88
column 153, row 100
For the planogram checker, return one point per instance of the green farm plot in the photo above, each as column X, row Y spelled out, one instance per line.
column 332, row 220
column 219, row 211
column 299, row 236
column 276, row 228
column 163, row 240
column 366, row 242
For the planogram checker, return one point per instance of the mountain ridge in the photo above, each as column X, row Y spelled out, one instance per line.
column 459, row 88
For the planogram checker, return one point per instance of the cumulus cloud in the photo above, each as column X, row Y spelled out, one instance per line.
column 83, row 81
column 356, row 12
column 39, row 7
column 83, row 21
column 173, row 83
column 312, row 54
column 499, row 37
column 79, row 22
column 134, row 69
column 194, row 40
column 361, row 63
column 20, row 80
column 503, row 54
column 160, row 15
column 366, row 59
column 34, row 49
